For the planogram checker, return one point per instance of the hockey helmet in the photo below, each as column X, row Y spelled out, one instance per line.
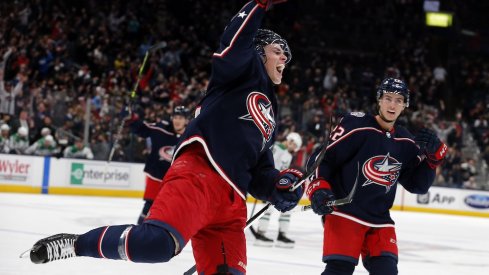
column 295, row 138
column 265, row 37
column 180, row 111
column 395, row 86
column 22, row 131
column 45, row 131
column 5, row 127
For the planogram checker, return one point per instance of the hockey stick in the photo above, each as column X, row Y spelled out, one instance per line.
column 132, row 95
column 346, row 200
column 253, row 231
column 309, row 173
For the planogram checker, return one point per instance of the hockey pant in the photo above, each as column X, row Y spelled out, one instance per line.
column 376, row 245
column 194, row 204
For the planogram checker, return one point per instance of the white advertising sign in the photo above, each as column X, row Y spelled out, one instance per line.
column 84, row 173
column 15, row 169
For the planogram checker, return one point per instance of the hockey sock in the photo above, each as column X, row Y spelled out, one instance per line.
column 263, row 222
column 336, row 267
column 144, row 243
column 381, row 265
column 284, row 222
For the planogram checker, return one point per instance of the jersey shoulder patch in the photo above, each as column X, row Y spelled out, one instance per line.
column 357, row 114
column 355, row 120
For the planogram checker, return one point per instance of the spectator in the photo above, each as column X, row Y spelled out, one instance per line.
column 469, row 170
column 7, row 93
column 330, row 79
column 22, row 120
column 100, row 147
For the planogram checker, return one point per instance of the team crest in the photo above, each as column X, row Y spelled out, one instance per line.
column 382, row 170
column 166, row 153
column 261, row 113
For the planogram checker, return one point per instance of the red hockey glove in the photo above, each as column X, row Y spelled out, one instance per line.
column 127, row 115
column 319, row 193
column 432, row 147
column 267, row 4
column 282, row 198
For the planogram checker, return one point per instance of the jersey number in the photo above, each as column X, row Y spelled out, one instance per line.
column 337, row 132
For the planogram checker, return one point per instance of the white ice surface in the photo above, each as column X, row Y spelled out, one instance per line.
column 428, row 243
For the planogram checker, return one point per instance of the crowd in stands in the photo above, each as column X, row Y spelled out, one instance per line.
column 64, row 63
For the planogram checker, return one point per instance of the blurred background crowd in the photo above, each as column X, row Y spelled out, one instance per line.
column 67, row 69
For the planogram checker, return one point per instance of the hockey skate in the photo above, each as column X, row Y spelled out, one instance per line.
column 56, row 247
column 262, row 240
column 284, row 242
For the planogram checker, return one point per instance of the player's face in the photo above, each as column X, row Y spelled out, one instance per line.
column 391, row 106
column 179, row 123
column 291, row 146
column 274, row 62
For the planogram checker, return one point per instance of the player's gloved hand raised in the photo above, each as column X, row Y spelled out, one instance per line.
column 319, row 193
column 431, row 146
column 267, row 4
column 127, row 114
column 282, row 198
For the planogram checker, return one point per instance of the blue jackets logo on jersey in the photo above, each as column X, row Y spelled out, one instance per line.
column 381, row 170
column 261, row 113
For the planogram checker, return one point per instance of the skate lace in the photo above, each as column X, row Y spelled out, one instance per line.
column 61, row 249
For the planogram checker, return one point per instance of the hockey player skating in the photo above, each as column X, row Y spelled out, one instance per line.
column 223, row 154
column 282, row 156
column 163, row 136
column 388, row 154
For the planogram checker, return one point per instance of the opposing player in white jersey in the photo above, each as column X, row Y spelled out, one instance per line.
column 282, row 156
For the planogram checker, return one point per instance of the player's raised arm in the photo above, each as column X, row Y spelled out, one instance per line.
column 237, row 50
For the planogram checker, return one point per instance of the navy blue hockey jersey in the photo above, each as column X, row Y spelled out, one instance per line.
column 235, row 122
column 163, row 141
column 384, row 158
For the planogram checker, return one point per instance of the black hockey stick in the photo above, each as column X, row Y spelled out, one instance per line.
column 253, row 231
column 309, row 173
column 132, row 95
column 346, row 200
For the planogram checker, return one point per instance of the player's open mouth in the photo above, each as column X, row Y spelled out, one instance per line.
column 280, row 68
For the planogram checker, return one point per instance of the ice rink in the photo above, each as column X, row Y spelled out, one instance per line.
column 428, row 243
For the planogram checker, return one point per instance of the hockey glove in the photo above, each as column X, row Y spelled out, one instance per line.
column 127, row 115
column 319, row 193
column 282, row 198
column 267, row 4
column 432, row 147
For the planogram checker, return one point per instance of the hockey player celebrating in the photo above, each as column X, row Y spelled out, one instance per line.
column 282, row 156
column 163, row 136
column 223, row 154
column 387, row 154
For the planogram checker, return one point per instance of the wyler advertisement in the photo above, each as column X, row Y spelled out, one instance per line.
column 15, row 169
column 86, row 173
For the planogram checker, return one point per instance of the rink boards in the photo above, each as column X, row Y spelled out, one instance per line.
column 46, row 175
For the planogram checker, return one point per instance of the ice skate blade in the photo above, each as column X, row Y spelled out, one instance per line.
column 284, row 245
column 25, row 254
column 263, row 244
